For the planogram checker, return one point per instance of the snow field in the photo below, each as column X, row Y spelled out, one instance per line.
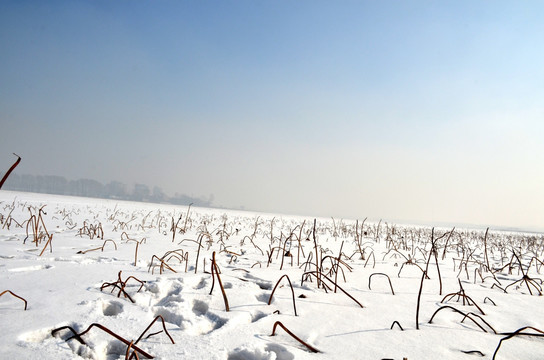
column 63, row 285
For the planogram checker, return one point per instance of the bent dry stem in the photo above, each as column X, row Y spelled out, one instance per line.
column 325, row 277
column 382, row 274
column 15, row 295
column 278, row 323
column 461, row 295
column 518, row 332
column 159, row 317
column 10, row 170
column 215, row 270
column 292, row 292
column 465, row 316
column 79, row 338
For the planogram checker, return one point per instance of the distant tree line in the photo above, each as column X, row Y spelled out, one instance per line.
column 50, row 184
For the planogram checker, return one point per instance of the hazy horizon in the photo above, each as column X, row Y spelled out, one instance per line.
column 426, row 112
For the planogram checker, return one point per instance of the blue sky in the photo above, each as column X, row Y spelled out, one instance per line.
column 420, row 111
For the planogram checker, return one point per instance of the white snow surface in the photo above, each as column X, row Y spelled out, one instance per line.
column 62, row 282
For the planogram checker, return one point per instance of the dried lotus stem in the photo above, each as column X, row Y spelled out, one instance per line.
column 467, row 315
column 311, row 348
column 10, row 170
column 292, row 292
column 215, row 270
column 323, row 283
column 78, row 336
column 390, row 285
column 151, row 324
column 518, row 332
column 13, row 294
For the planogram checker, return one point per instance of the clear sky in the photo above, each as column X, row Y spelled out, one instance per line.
column 424, row 111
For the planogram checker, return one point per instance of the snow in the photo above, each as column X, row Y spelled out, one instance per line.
column 63, row 286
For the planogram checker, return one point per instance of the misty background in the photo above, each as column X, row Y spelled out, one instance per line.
column 409, row 111
column 51, row 184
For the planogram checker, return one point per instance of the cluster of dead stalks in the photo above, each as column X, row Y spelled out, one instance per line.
column 38, row 231
column 132, row 350
column 162, row 262
column 91, row 230
column 121, row 285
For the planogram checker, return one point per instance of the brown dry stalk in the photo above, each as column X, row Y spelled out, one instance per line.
column 337, row 262
column 373, row 259
column 105, row 329
column 98, row 248
column 174, row 227
column 316, row 257
column 447, row 241
column 292, row 292
column 473, row 352
column 35, row 223
column 13, row 294
column 183, row 256
column 467, row 315
column 159, row 317
column 10, row 170
column 163, row 264
column 200, row 237
column 398, row 324
column 526, row 279
column 461, row 294
column 419, row 299
column 382, row 274
column 129, row 355
column 105, row 241
column 485, row 250
column 495, row 285
column 332, row 282
column 120, row 284
column 136, row 254
column 50, row 238
column 286, row 252
column 187, row 218
column 311, row 348
column 423, row 276
column 215, row 270
column 487, row 298
column 518, row 332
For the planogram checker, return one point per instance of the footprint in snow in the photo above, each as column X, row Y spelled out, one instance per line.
column 202, row 284
column 112, row 308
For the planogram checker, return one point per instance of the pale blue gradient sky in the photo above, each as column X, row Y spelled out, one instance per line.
column 428, row 111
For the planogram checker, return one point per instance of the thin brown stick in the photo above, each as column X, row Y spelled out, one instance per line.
column 10, row 170
column 215, row 270
column 518, row 332
column 419, row 299
column 467, row 315
column 50, row 238
column 311, row 348
column 159, row 317
column 292, row 292
column 105, row 329
column 316, row 257
column 325, row 277
column 370, row 279
column 128, row 355
column 13, row 294
column 200, row 237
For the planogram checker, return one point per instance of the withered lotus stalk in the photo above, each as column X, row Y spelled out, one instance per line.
column 10, row 170
column 278, row 323
column 292, row 292
column 15, row 295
